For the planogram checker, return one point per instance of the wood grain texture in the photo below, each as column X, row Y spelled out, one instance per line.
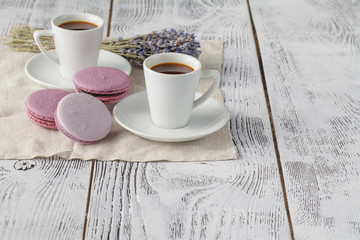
column 239, row 199
column 43, row 198
column 38, row 13
column 166, row 200
column 49, row 200
column 311, row 52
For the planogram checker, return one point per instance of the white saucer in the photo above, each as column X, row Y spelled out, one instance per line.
column 133, row 114
column 46, row 73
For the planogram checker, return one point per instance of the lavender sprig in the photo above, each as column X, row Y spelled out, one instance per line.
column 135, row 49
column 140, row 47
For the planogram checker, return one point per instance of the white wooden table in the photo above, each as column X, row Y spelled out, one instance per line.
column 291, row 81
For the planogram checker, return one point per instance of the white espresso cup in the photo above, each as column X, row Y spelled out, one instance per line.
column 171, row 96
column 76, row 49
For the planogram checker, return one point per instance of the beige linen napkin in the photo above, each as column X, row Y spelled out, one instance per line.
column 21, row 139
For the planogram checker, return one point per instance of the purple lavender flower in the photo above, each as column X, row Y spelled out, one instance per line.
column 140, row 47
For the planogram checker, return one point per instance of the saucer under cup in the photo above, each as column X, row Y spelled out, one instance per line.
column 133, row 114
column 45, row 72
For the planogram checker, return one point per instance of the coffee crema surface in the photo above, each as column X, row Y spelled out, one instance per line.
column 78, row 25
column 172, row 68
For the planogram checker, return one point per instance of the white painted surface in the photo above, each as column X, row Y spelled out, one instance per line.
column 214, row 200
column 310, row 50
column 239, row 199
column 46, row 201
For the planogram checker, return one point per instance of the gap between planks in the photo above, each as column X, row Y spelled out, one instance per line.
column 277, row 153
column 88, row 198
column 110, row 17
column 93, row 161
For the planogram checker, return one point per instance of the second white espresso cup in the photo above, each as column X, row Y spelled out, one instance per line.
column 76, row 49
column 171, row 96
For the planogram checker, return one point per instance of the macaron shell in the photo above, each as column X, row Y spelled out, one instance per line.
column 101, row 80
column 83, row 117
column 66, row 133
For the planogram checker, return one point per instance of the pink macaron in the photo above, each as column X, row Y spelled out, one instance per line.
column 83, row 118
column 41, row 106
column 109, row 85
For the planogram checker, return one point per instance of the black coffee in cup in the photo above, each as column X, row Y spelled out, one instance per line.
column 77, row 25
column 172, row 68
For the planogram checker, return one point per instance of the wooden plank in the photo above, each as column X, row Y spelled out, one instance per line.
column 310, row 53
column 49, row 200
column 239, row 199
column 43, row 198
column 163, row 200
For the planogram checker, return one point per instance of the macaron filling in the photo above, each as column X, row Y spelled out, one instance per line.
column 107, row 99
column 41, row 121
column 102, row 92
column 99, row 95
column 40, row 117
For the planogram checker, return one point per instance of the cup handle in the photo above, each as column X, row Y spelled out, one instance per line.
column 41, row 33
column 208, row 73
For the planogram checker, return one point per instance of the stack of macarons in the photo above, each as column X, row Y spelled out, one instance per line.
column 109, row 85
